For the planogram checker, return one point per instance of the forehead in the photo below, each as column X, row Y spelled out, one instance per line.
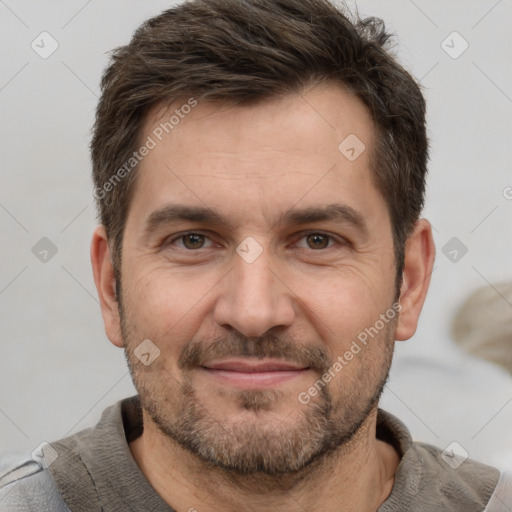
column 310, row 148
column 322, row 116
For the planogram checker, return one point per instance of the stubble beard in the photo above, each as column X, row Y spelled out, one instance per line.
column 252, row 445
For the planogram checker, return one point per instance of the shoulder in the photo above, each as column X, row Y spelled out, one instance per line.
column 429, row 479
column 454, row 478
column 67, row 470
column 28, row 486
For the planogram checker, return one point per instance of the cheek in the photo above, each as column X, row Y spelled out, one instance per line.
column 166, row 307
column 344, row 304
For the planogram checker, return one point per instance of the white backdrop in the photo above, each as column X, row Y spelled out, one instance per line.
column 57, row 369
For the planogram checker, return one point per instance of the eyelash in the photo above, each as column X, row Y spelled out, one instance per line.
column 332, row 238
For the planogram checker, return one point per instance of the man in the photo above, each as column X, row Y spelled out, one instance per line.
column 259, row 168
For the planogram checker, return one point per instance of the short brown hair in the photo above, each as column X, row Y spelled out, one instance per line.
column 245, row 51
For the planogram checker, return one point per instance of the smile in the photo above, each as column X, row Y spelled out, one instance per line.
column 253, row 374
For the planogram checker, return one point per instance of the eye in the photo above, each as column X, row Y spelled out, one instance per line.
column 317, row 241
column 190, row 241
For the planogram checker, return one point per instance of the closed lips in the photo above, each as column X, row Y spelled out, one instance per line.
column 244, row 367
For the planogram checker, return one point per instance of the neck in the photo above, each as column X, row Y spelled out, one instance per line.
column 358, row 476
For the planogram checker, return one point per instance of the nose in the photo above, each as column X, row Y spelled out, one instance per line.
column 254, row 298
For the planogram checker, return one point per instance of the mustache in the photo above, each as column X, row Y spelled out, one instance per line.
column 199, row 352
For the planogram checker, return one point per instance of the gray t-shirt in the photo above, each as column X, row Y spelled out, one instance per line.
column 94, row 470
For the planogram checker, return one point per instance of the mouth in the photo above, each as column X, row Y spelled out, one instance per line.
column 253, row 373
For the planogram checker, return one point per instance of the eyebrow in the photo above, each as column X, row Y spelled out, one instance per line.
column 332, row 212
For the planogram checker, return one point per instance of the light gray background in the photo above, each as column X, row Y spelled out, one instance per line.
column 58, row 371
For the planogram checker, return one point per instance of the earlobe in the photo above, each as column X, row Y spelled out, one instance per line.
column 105, row 281
column 419, row 262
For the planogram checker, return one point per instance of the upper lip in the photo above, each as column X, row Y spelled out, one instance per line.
column 248, row 366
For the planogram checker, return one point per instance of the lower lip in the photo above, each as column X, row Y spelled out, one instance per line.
column 255, row 379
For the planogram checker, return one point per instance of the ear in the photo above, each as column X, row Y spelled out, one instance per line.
column 106, row 285
column 419, row 261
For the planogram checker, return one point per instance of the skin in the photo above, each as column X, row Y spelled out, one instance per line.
column 299, row 302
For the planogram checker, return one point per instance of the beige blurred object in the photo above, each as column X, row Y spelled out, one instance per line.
column 483, row 324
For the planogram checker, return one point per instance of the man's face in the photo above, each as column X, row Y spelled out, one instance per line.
column 251, row 306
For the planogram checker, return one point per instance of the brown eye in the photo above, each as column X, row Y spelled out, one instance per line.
column 193, row 240
column 317, row 241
